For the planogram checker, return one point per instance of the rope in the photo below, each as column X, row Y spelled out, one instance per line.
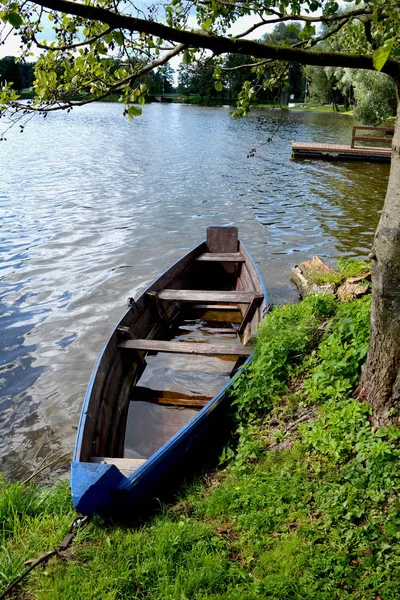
column 77, row 524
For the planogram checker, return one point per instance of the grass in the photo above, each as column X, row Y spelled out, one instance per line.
column 321, row 108
column 304, row 506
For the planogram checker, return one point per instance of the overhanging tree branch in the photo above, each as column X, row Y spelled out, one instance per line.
column 111, row 89
column 215, row 43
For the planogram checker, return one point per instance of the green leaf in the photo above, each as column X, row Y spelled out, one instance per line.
column 206, row 26
column 133, row 111
column 118, row 37
column 381, row 55
column 218, row 86
column 14, row 19
column 187, row 58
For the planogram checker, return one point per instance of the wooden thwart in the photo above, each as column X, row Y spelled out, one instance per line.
column 206, row 349
column 220, row 257
column 127, row 466
column 208, row 296
column 216, row 307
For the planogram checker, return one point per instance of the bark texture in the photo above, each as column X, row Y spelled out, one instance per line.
column 380, row 382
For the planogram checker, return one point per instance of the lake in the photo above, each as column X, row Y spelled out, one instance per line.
column 94, row 208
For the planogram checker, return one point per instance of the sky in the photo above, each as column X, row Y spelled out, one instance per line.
column 11, row 47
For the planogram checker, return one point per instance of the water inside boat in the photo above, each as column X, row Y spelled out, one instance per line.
column 174, row 387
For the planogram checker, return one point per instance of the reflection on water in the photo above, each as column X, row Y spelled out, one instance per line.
column 173, row 379
column 187, row 374
column 150, row 426
column 94, row 208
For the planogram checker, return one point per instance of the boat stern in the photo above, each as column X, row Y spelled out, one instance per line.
column 94, row 486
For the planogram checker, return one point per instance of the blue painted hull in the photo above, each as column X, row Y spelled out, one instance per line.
column 104, row 487
column 101, row 488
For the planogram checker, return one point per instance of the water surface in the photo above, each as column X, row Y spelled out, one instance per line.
column 94, row 208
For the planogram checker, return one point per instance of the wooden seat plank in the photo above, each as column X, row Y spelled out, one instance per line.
column 221, row 257
column 208, row 296
column 206, row 349
column 216, row 307
column 127, row 466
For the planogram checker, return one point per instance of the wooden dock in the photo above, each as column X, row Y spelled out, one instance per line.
column 349, row 151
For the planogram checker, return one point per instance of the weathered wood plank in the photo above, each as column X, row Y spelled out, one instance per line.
column 364, row 138
column 214, row 313
column 215, row 307
column 222, row 239
column 338, row 148
column 341, row 151
column 231, row 349
column 169, row 398
column 221, row 257
column 251, row 317
column 127, row 466
column 248, row 315
column 207, row 296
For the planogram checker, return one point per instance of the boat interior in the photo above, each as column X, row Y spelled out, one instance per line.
column 175, row 348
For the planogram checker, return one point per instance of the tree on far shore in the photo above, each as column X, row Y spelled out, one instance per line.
column 90, row 36
column 18, row 75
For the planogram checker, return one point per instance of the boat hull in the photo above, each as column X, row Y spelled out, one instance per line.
column 190, row 449
column 100, row 487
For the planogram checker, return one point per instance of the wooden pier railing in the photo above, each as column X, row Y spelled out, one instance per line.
column 387, row 139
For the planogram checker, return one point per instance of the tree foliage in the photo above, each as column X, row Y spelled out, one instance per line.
column 18, row 75
column 100, row 48
column 231, row 75
column 375, row 96
column 197, row 79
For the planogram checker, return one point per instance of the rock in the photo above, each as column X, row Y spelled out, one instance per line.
column 302, row 276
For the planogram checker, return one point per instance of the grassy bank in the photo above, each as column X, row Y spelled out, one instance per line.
column 304, row 505
column 313, row 106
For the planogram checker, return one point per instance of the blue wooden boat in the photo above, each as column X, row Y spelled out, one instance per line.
column 157, row 399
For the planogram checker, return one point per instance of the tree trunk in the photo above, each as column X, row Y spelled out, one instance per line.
column 380, row 382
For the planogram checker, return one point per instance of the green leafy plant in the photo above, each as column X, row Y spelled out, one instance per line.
column 288, row 334
column 335, row 366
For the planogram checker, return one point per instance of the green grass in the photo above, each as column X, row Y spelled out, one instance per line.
column 317, row 517
column 321, row 108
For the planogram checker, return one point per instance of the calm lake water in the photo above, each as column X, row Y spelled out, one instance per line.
column 93, row 209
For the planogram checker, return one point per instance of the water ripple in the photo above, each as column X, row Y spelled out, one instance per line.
column 94, row 208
